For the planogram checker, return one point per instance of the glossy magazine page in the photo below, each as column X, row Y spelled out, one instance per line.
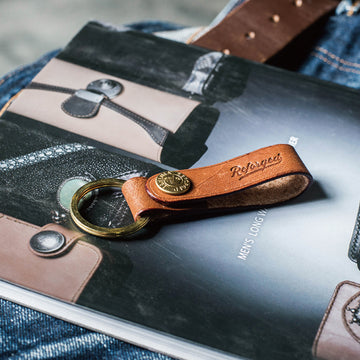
column 251, row 284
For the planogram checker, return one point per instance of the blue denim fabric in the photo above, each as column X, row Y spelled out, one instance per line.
column 154, row 26
column 28, row 334
column 335, row 57
column 14, row 81
column 347, row 6
column 231, row 5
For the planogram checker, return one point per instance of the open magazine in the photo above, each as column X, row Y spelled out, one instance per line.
column 253, row 284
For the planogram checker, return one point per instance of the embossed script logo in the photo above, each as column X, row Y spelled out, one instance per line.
column 252, row 167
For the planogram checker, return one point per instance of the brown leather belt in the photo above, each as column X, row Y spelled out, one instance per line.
column 258, row 29
column 263, row 177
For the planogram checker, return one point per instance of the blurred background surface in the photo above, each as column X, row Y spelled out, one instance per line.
column 30, row 28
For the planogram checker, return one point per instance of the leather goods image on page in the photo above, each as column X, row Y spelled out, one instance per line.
column 339, row 332
column 42, row 250
column 253, row 283
column 48, row 259
column 116, row 111
column 170, row 114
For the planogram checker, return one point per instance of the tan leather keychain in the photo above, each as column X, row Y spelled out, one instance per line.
column 263, row 177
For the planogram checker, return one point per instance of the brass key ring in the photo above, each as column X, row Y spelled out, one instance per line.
column 99, row 230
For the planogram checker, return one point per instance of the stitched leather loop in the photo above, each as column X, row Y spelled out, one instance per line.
column 263, row 177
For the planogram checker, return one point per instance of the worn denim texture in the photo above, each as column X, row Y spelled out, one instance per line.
column 335, row 57
column 28, row 334
column 14, row 81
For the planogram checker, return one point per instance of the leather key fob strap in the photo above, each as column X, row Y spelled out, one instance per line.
column 263, row 177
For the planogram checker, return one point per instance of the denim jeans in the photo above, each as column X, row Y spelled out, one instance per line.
column 28, row 334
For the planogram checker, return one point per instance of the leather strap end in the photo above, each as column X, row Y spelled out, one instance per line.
column 258, row 29
column 243, row 172
column 139, row 201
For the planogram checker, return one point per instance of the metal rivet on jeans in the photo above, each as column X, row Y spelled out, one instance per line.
column 226, row 51
column 47, row 241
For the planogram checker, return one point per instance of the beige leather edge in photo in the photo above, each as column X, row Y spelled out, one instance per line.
column 167, row 110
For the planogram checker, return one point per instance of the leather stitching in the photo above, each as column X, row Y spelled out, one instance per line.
column 119, row 108
column 159, row 196
column 39, row 86
column 187, row 198
column 91, row 272
column 95, row 250
column 333, row 64
column 337, row 58
column 89, row 115
column 67, row 245
column 139, row 120
column 327, row 312
column 20, row 222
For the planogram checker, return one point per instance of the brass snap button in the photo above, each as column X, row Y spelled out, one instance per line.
column 173, row 182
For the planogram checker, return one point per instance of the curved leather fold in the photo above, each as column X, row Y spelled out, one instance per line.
column 62, row 274
column 263, row 177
